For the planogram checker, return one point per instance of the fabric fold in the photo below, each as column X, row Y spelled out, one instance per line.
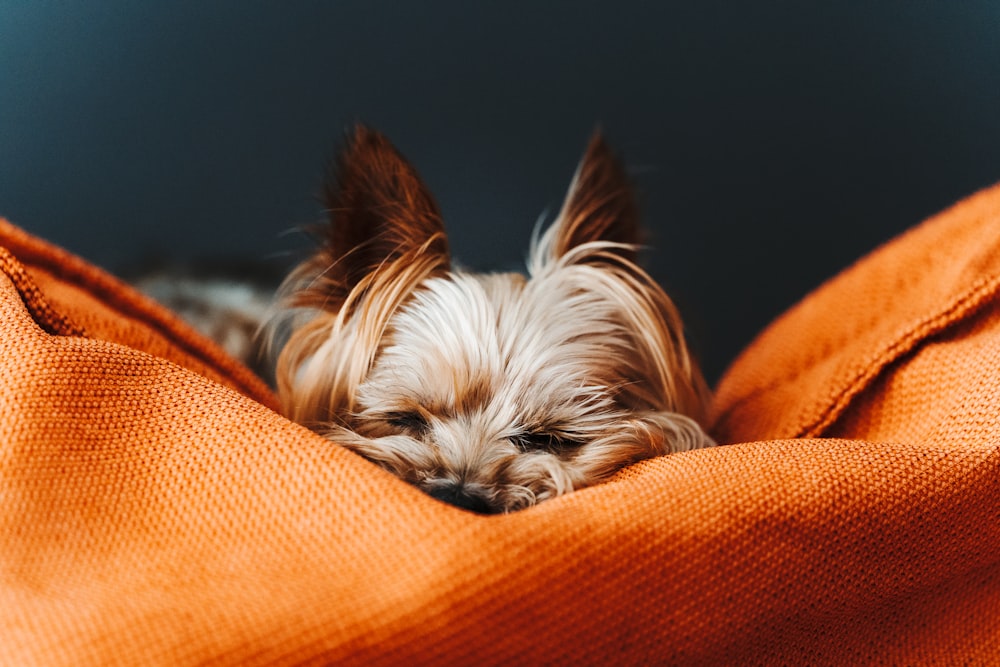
column 155, row 509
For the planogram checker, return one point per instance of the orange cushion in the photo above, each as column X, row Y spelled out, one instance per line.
column 155, row 510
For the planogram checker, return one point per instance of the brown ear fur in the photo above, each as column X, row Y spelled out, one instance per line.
column 598, row 227
column 385, row 236
column 600, row 204
column 379, row 210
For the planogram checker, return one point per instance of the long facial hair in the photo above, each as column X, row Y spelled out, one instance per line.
column 490, row 391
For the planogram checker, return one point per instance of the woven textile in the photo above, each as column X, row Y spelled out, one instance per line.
column 154, row 509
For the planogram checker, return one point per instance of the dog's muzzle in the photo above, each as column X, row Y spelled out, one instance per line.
column 460, row 496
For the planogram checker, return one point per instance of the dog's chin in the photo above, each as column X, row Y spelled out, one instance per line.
column 415, row 463
column 498, row 478
column 480, row 498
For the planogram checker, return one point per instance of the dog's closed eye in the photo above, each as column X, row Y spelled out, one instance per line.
column 410, row 421
column 542, row 441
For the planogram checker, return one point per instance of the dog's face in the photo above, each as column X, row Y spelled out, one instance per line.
column 496, row 391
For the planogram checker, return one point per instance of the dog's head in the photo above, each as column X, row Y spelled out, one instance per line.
column 489, row 391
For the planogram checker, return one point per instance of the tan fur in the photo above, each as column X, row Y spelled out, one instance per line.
column 490, row 391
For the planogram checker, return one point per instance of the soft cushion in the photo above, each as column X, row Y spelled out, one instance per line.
column 154, row 509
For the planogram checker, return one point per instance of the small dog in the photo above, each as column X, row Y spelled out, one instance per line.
column 491, row 392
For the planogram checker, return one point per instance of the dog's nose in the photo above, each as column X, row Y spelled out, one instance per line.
column 459, row 496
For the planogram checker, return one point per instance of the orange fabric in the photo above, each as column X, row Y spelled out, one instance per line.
column 154, row 510
column 809, row 367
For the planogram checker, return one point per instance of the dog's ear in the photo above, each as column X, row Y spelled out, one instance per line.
column 384, row 238
column 600, row 205
column 379, row 210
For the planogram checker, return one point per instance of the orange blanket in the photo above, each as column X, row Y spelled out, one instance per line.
column 154, row 509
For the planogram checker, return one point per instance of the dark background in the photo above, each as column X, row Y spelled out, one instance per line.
column 773, row 143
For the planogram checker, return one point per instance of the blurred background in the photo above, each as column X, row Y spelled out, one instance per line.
column 772, row 143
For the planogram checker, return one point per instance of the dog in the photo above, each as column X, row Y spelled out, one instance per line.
column 491, row 392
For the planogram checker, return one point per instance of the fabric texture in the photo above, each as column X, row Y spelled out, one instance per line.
column 155, row 509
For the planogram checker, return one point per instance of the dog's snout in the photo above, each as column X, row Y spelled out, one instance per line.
column 460, row 496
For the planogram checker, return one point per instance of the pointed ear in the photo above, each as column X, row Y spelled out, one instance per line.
column 600, row 204
column 383, row 239
column 379, row 211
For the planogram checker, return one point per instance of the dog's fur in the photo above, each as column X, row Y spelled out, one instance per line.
column 489, row 391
